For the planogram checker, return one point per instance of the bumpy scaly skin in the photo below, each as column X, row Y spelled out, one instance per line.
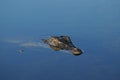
column 62, row 43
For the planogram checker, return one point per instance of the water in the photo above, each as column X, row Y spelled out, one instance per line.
column 94, row 26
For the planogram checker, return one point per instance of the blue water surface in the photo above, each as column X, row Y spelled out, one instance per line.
column 93, row 25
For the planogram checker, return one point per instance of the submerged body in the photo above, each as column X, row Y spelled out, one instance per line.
column 62, row 43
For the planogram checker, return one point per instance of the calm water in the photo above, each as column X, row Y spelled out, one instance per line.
column 93, row 25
